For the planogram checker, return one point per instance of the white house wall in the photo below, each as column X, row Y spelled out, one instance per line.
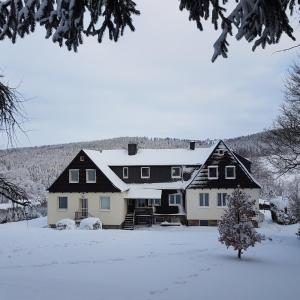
column 113, row 217
column 195, row 212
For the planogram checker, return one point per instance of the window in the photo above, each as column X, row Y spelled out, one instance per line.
column 125, row 172
column 81, row 158
column 154, row 202
column 175, row 199
column 222, row 199
column 230, row 172
column 62, row 202
column 213, row 172
column 90, row 175
column 73, row 175
column 145, row 172
column 105, row 203
column 204, row 199
column 176, row 172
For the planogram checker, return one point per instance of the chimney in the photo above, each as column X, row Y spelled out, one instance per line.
column 132, row 149
column 192, row 145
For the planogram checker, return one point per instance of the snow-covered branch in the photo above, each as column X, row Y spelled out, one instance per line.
column 64, row 19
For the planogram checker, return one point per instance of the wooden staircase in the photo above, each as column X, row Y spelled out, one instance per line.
column 128, row 224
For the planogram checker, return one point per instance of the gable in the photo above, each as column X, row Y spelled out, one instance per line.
column 103, row 184
column 221, row 156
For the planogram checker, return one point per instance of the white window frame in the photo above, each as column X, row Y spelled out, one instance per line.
column 145, row 177
column 204, row 206
column 213, row 167
column 70, row 178
column 234, row 171
column 152, row 202
column 125, row 177
column 100, row 203
column 87, row 178
column 175, row 204
column 58, row 203
column 172, row 176
column 222, row 199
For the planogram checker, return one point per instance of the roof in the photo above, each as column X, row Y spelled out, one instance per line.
column 143, row 193
column 154, row 157
column 95, row 156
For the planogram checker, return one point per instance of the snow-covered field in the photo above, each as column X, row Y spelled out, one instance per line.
column 156, row 263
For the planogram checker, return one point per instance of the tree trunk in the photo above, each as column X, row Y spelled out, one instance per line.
column 240, row 254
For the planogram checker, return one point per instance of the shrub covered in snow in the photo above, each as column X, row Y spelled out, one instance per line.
column 236, row 226
column 65, row 224
column 91, row 224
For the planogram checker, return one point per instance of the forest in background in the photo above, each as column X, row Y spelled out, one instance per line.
column 36, row 168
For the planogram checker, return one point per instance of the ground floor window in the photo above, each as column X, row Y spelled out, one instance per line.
column 222, row 197
column 204, row 199
column 62, row 202
column 175, row 199
column 104, row 202
column 154, row 202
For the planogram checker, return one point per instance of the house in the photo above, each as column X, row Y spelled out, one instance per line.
column 148, row 186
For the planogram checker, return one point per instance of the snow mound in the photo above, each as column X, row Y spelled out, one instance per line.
column 65, row 224
column 91, row 224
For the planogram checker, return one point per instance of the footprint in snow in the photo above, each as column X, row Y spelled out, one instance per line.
column 161, row 291
column 180, row 282
column 117, row 259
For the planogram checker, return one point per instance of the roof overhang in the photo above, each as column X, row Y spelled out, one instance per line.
column 139, row 193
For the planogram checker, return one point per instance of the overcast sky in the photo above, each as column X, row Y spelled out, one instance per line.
column 157, row 82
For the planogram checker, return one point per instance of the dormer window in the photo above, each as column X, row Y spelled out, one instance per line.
column 145, row 172
column 90, row 176
column 176, row 172
column 230, row 172
column 73, row 176
column 213, row 172
column 125, row 172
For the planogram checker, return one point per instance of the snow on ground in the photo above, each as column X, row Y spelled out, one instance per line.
column 153, row 263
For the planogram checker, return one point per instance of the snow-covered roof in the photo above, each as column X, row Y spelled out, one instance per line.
column 96, row 157
column 143, row 193
column 155, row 157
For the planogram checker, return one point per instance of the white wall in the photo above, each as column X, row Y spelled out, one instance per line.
column 114, row 216
column 213, row 212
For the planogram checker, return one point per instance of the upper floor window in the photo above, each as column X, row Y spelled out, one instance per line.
column 222, row 199
column 230, row 172
column 213, row 172
column 175, row 199
column 73, row 176
column 145, row 172
column 62, row 202
column 81, row 158
column 176, row 172
column 90, row 175
column 125, row 172
column 105, row 203
column 204, row 199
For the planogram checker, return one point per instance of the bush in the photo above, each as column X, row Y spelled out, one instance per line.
column 91, row 224
column 65, row 224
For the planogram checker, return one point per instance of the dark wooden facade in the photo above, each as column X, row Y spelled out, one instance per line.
column 62, row 184
column 157, row 173
column 222, row 157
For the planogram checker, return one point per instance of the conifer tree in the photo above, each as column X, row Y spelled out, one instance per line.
column 66, row 21
column 236, row 226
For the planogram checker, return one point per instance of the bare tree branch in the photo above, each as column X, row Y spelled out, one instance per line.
column 283, row 141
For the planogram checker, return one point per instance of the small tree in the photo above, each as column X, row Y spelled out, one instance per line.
column 236, row 226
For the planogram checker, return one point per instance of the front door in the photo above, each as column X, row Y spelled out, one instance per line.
column 84, row 207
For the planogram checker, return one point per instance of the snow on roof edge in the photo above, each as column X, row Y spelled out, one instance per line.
column 112, row 177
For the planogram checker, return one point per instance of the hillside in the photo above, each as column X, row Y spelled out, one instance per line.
column 35, row 168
